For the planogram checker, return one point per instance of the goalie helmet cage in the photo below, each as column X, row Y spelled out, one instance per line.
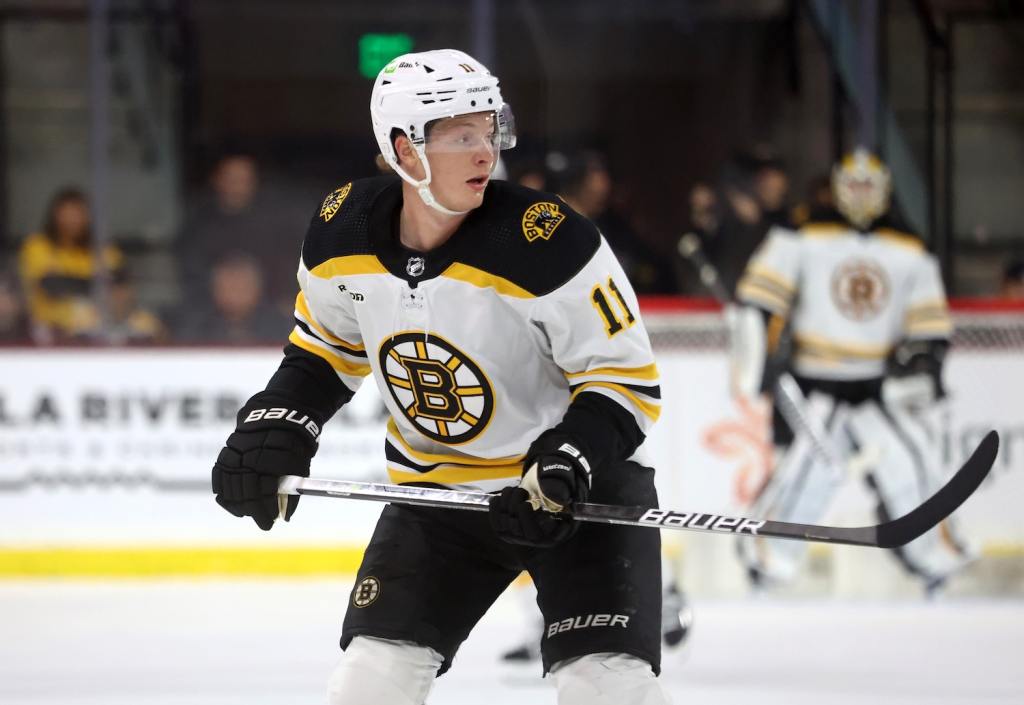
column 697, row 327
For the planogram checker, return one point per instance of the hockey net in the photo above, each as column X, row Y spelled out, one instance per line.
column 988, row 325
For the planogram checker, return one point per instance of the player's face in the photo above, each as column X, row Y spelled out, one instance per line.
column 461, row 152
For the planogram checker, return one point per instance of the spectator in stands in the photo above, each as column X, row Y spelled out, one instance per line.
column 584, row 182
column 14, row 328
column 238, row 215
column 58, row 268
column 819, row 204
column 128, row 323
column 732, row 222
column 238, row 313
column 1012, row 286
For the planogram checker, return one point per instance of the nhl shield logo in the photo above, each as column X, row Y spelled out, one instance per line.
column 333, row 202
column 541, row 219
column 366, row 592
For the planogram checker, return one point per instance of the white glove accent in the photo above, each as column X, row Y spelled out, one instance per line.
column 910, row 391
column 531, row 483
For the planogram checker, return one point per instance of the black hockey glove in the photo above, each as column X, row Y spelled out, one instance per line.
column 273, row 438
column 556, row 475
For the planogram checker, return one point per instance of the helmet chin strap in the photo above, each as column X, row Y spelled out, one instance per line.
column 423, row 187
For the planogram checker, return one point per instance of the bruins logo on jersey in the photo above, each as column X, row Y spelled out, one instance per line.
column 443, row 393
column 332, row 204
column 366, row 592
column 541, row 219
column 860, row 289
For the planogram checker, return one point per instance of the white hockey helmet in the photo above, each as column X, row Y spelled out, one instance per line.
column 416, row 89
column 861, row 186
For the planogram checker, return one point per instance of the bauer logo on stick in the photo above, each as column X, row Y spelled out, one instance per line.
column 704, row 522
column 541, row 219
column 366, row 592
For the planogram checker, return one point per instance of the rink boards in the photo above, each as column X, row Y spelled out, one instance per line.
column 105, row 459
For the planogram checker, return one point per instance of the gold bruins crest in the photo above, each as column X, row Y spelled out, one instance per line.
column 541, row 219
column 860, row 289
column 442, row 392
column 333, row 202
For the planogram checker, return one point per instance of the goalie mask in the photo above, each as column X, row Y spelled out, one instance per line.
column 861, row 186
column 415, row 90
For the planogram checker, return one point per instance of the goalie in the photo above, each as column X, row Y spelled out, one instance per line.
column 869, row 327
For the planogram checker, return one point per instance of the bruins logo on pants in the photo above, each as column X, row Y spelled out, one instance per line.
column 445, row 395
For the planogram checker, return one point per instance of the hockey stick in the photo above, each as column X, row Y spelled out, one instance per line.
column 888, row 535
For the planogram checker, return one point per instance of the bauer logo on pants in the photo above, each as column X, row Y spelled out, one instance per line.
column 588, row 621
column 440, row 390
column 366, row 592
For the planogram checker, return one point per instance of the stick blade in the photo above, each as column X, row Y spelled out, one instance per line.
column 940, row 505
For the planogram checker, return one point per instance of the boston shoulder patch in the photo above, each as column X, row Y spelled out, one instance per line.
column 332, row 204
column 541, row 219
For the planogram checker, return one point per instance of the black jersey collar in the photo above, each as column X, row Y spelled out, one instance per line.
column 399, row 260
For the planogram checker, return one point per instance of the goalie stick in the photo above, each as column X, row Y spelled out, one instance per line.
column 890, row 534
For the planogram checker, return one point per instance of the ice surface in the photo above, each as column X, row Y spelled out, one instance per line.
column 274, row 642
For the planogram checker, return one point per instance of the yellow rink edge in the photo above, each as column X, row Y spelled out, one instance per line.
column 149, row 561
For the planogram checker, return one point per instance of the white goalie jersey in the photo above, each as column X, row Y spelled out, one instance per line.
column 481, row 345
column 850, row 297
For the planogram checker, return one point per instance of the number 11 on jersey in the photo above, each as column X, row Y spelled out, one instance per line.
column 613, row 324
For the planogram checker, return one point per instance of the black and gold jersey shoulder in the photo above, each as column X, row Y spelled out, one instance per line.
column 531, row 238
column 340, row 226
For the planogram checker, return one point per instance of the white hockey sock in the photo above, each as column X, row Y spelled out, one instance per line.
column 383, row 672
column 607, row 679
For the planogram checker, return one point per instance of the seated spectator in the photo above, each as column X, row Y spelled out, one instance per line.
column 238, row 312
column 128, row 324
column 14, row 328
column 584, row 182
column 237, row 214
column 58, row 268
column 1012, row 286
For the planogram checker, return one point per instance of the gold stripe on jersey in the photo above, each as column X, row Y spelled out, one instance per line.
column 822, row 347
column 485, row 280
column 769, row 276
column 302, row 312
column 455, row 475
column 648, row 372
column 650, row 409
column 824, row 229
column 895, row 237
column 333, row 358
column 347, row 265
column 754, row 293
column 943, row 328
column 422, row 457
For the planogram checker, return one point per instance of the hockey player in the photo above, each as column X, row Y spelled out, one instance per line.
column 506, row 342
column 870, row 327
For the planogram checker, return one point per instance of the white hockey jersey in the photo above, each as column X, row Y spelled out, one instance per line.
column 479, row 346
column 851, row 297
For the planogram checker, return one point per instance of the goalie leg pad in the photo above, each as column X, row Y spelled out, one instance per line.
column 800, row 490
column 383, row 672
column 907, row 473
column 607, row 679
